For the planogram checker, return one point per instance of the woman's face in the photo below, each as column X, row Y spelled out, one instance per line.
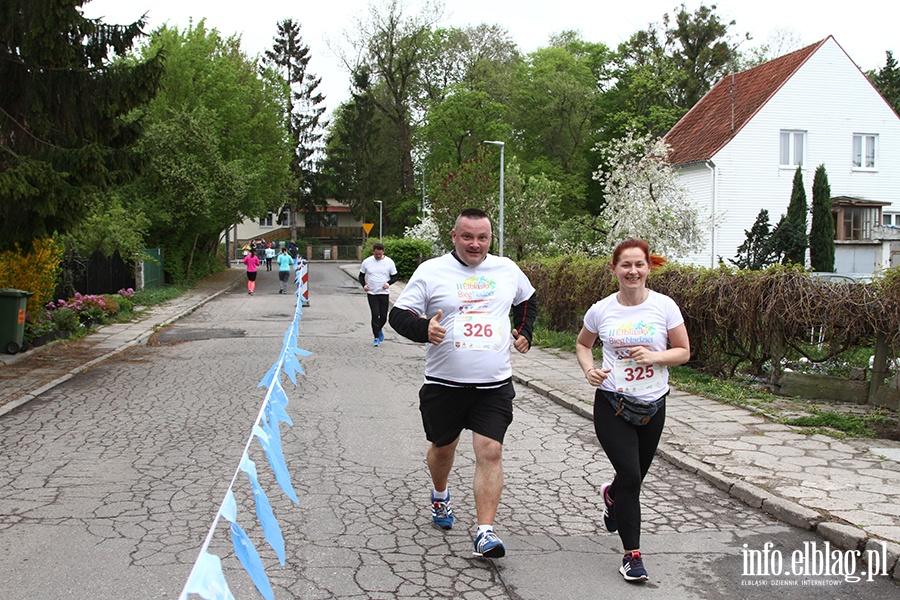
column 632, row 269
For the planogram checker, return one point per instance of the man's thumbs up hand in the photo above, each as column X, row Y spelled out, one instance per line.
column 436, row 331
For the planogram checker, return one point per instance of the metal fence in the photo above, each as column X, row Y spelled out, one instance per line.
column 153, row 276
column 327, row 252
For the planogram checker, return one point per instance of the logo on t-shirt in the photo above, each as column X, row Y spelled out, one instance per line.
column 632, row 334
column 476, row 289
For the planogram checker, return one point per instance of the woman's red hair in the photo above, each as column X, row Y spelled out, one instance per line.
column 654, row 260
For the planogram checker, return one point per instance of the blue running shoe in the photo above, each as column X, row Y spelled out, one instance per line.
column 609, row 514
column 632, row 568
column 381, row 336
column 376, row 343
column 488, row 545
column 441, row 513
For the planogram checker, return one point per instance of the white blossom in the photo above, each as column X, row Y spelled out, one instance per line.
column 644, row 198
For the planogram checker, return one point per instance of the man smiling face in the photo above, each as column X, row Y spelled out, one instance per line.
column 471, row 239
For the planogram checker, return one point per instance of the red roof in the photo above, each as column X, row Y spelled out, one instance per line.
column 709, row 125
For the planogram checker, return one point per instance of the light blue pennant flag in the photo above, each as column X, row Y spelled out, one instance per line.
column 275, row 456
column 275, row 408
column 207, row 579
column 245, row 550
column 269, row 376
column 270, row 527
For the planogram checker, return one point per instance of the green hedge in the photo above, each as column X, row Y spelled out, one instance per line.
column 407, row 253
column 736, row 319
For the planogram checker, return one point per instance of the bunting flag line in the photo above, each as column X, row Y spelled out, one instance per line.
column 206, row 578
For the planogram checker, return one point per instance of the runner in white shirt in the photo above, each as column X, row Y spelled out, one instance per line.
column 376, row 274
column 642, row 333
column 460, row 303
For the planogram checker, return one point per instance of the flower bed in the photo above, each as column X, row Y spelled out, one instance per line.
column 76, row 315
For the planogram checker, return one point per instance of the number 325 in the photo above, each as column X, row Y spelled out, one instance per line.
column 638, row 373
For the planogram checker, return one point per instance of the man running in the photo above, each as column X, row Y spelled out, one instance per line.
column 376, row 274
column 460, row 304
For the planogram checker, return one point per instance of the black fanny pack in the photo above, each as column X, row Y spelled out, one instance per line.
column 632, row 410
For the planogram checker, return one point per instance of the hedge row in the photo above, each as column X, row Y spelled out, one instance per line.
column 736, row 318
column 406, row 253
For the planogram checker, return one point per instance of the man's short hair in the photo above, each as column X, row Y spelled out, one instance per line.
column 377, row 246
column 473, row 213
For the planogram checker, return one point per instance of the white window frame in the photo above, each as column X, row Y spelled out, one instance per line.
column 864, row 160
column 788, row 154
column 267, row 220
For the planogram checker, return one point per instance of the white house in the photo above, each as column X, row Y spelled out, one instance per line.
column 737, row 149
column 333, row 221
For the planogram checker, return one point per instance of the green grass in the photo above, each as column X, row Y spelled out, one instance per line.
column 731, row 391
column 852, row 425
column 159, row 295
column 552, row 339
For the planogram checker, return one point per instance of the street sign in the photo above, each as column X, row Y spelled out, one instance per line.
column 367, row 227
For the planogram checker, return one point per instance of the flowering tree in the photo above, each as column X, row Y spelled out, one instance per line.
column 644, row 198
column 427, row 230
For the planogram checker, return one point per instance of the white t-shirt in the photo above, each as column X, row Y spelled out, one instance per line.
column 377, row 273
column 622, row 327
column 475, row 302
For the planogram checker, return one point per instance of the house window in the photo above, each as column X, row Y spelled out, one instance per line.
column 792, row 148
column 864, row 145
column 857, row 222
column 267, row 220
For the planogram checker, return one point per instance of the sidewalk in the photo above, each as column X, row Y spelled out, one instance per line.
column 26, row 375
column 848, row 491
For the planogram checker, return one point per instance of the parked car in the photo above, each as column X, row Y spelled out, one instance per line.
column 843, row 277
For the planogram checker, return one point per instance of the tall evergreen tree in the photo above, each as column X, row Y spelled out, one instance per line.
column 821, row 233
column 363, row 161
column 305, row 106
column 756, row 251
column 887, row 81
column 791, row 236
column 63, row 102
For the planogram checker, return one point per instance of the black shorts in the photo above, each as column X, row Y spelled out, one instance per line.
column 283, row 275
column 251, row 275
column 446, row 411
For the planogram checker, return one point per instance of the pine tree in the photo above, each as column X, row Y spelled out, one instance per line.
column 887, row 81
column 790, row 237
column 290, row 57
column 64, row 134
column 756, row 251
column 821, row 234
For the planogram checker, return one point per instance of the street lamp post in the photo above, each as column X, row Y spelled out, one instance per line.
column 380, row 214
column 501, row 144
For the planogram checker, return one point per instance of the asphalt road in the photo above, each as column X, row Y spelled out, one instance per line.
column 112, row 479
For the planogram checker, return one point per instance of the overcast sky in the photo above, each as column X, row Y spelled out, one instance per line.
column 864, row 28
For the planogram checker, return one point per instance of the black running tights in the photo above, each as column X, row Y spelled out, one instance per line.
column 630, row 450
column 378, row 304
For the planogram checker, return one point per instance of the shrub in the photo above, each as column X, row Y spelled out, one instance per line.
column 89, row 309
column 125, row 305
column 407, row 253
column 36, row 326
column 35, row 270
column 64, row 318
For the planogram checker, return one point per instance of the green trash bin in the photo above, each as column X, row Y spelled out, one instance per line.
column 12, row 319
